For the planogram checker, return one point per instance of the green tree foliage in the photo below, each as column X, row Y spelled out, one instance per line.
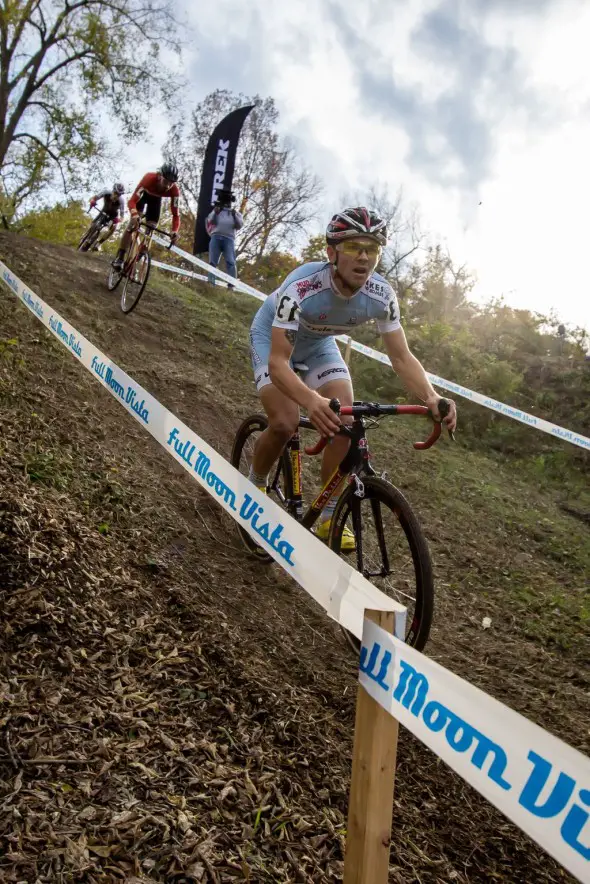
column 187, row 225
column 315, row 250
column 63, row 223
column 275, row 192
column 269, row 271
column 62, row 64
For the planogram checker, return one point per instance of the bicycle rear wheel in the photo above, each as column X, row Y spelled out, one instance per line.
column 280, row 480
column 391, row 552
column 135, row 282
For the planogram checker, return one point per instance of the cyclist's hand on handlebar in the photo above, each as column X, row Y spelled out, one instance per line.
column 322, row 416
column 447, row 413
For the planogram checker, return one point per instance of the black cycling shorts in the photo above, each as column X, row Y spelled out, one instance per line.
column 152, row 205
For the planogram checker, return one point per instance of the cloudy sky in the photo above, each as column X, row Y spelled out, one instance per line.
column 478, row 109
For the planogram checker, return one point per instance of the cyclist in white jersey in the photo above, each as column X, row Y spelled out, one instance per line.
column 297, row 323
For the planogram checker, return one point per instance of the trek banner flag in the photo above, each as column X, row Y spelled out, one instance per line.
column 218, row 170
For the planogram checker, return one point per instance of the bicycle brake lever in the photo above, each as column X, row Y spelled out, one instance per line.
column 444, row 407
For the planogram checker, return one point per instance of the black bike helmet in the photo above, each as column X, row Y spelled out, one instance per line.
column 169, row 171
column 357, row 221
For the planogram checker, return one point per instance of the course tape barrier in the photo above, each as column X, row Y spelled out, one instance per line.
column 333, row 583
column 500, row 407
column 535, row 779
column 180, row 270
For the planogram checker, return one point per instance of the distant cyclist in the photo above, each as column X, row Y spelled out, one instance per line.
column 298, row 323
column 146, row 200
column 113, row 206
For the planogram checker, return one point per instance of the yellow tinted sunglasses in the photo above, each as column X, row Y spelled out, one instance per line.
column 354, row 249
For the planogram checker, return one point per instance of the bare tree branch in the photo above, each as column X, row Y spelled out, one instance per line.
column 58, row 67
column 25, row 19
column 276, row 194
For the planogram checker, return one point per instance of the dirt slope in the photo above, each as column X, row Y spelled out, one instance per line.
column 167, row 708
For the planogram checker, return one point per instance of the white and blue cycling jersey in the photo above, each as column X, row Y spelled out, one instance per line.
column 308, row 304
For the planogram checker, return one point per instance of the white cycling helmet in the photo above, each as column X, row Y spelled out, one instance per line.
column 118, row 187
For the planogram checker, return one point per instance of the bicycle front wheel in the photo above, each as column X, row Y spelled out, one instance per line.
column 115, row 277
column 280, row 480
column 89, row 238
column 135, row 282
column 391, row 551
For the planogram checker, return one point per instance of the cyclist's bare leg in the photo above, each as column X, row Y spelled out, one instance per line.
column 126, row 238
column 335, row 451
column 283, row 418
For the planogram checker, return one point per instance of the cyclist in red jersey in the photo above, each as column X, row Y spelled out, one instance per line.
column 147, row 199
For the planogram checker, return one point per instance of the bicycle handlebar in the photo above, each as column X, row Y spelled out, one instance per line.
column 374, row 409
column 155, row 229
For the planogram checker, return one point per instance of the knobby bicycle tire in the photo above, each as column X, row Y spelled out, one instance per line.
column 385, row 493
column 89, row 237
column 128, row 281
column 257, row 423
column 114, row 278
column 83, row 240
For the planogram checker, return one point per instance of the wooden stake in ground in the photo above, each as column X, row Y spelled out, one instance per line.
column 371, row 790
column 348, row 351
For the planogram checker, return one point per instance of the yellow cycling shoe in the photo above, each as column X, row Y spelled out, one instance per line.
column 262, row 488
column 347, row 543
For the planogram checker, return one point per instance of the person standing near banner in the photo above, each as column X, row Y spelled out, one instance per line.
column 218, row 170
column 222, row 224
